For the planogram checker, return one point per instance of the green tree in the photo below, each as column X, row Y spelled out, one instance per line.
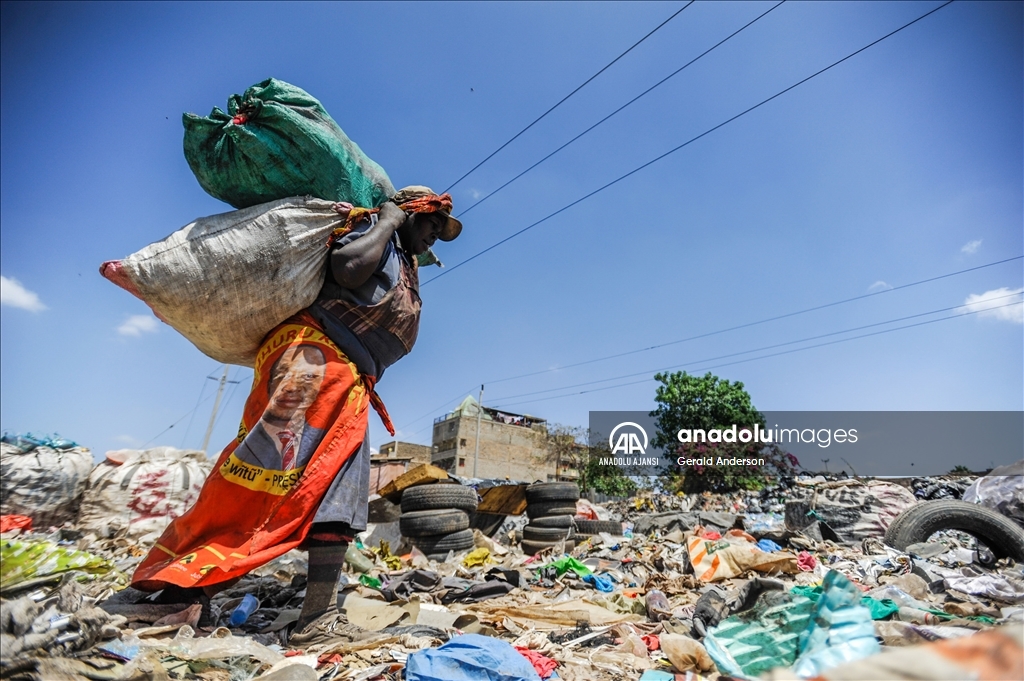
column 686, row 401
column 708, row 402
column 570, row 450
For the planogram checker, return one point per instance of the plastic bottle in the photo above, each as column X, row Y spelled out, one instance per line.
column 248, row 606
column 917, row 616
column 658, row 607
column 357, row 560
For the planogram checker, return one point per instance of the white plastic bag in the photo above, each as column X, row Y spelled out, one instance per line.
column 142, row 493
column 1001, row 490
column 43, row 483
column 227, row 280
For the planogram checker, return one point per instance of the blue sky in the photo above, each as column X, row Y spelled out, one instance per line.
column 902, row 163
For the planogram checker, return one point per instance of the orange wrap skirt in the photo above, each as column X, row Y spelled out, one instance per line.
column 305, row 417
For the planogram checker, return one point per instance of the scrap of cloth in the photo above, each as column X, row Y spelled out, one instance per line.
column 305, row 419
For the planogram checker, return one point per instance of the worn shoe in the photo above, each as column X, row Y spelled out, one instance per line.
column 331, row 626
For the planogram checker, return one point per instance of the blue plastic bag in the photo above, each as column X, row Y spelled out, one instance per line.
column 600, row 582
column 768, row 546
column 470, row 657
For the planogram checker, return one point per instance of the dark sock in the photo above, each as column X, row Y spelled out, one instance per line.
column 325, row 561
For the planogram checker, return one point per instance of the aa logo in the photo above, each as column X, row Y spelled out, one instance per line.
column 626, row 439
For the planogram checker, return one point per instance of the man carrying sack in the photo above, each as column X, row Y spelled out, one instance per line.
column 297, row 475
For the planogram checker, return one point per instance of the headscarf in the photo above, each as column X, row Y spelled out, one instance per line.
column 413, row 199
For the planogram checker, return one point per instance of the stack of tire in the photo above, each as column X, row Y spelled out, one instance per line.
column 435, row 518
column 550, row 506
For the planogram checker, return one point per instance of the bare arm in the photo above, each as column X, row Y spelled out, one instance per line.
column 354, row 263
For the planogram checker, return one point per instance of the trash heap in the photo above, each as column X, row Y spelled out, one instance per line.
column 698, row 590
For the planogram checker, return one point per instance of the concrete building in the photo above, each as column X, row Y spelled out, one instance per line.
column 394, row 459
column 512, row 446
column 418, row 453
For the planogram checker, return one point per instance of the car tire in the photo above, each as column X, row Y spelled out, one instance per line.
column 598, row 526
column 549, row 508
column 919, row 522
column 433, row 522
column 431, row 497
column 562, row 521
column 532, row 548
column 546, row 534
column 552, row 491
column 456, row 541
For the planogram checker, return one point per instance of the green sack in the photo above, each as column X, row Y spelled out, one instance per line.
column 277, row 141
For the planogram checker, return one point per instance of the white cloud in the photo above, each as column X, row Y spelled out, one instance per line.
column 879, row 285
column 138, row 324
column 971, row 247
column 1001, row 303
column 475, row 193
column 128, row 440
column 14, row 294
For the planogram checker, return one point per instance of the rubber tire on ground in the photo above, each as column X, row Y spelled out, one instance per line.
column 919, row 522
column 598, row 526
column 531, row 548
column 430, row 497
column 552, row 491
column 546, row 534
column 433, row 522
column 563, row 521
column 456, row 541
column 549, row 508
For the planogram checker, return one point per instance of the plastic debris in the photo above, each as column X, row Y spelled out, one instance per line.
column 567, row 563
column 656, row 611
column 477, row 557
column 600, row 582
column 786, row 629
column 248, row 606
column 470, row 657
column 9, row 523
column 543, row 665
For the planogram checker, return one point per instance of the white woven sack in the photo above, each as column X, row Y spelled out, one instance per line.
column 45, row 484
column 227, row 280
column 143, row 494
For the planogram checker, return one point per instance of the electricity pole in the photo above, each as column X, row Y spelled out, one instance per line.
column 479, row 414
column 216, row 404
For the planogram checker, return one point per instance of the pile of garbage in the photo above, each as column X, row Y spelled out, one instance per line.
column 703, row 590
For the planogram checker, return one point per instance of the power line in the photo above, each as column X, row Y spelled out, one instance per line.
column 630, row 102
column 761, row 321
column 191, row 412
column 776, row 354
column 563, row 99
column 761, row 349
column 684, row 144
column 428, row 413
column 713, row 333
column 192, row 415
column 231, row 395
column 188, row 413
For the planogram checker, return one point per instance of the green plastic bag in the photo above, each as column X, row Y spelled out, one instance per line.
column 566, row 563
column 879, row 609
column 277, row 141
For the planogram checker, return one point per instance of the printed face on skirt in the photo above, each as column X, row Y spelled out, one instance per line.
column 294, row 383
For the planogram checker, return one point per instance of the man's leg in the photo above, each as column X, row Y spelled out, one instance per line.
column 326, row 543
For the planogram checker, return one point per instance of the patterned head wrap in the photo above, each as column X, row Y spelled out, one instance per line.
column 413, row 199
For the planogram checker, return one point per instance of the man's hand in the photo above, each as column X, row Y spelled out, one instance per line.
column 354, row 263
column 390, row 212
